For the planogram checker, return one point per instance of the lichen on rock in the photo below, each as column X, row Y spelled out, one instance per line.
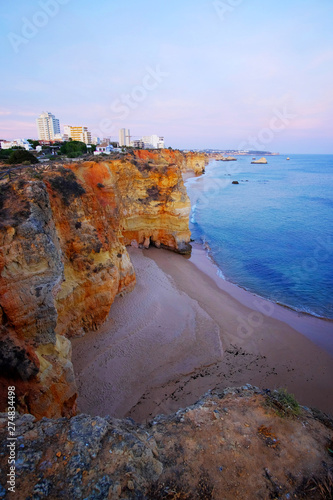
column 228, row 445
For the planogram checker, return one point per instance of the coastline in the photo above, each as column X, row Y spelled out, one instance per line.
column 306, row 306
column 184, row 331
column 189, row 174
column 318, row 330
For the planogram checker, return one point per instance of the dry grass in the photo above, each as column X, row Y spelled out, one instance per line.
column 284, row 403
column 318, row 487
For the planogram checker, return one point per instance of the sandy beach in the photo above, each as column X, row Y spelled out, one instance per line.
column 184, row 331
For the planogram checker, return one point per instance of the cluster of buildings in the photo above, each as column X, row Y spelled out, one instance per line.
column 22, row 143
column 146, row 142
column 48, row 127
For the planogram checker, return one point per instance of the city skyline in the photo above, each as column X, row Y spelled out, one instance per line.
column 218, row 74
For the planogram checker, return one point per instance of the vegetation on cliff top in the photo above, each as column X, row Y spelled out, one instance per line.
column 20, row 156
column 284, row 403
column 67, row 186
column 73, row 149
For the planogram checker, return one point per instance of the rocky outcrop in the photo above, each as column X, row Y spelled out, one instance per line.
column 227, row 158
column 262, row 161
column 236, row 444
column 34, row 358
column 196, row 162
column 154, row 204
column 63, row 260
column 85, row 209
column 186, row 161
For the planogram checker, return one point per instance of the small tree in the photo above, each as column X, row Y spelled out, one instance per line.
column 73, row 148
column 20, row 156
column 33, row 143
column 5, row 153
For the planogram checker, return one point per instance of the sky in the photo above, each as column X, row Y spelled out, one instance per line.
column 243, row 74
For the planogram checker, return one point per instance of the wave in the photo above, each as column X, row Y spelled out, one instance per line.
column 193, row 213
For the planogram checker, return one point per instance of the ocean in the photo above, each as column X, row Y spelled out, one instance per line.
column 272, row 233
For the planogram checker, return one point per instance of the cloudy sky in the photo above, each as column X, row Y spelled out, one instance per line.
column 201, row 73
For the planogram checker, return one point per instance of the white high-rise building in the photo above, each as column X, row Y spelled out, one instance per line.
column 153, row 141
column 48, row 127
column 124, row 137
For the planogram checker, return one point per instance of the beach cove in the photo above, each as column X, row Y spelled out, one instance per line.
column 184, row 331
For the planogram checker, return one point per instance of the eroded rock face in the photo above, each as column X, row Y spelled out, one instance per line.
column 154, row 204
column 196, row 162
column 33, row 358
column 96, row 264
column 63, row 260
column 231, row 444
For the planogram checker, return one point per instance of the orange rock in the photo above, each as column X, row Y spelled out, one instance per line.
column 63, row 260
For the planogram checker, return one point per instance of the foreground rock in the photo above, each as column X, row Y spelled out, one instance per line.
column 63, row 260
column 262, row 161
column 239, row 444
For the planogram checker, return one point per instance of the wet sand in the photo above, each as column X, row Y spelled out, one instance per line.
column 183, row 331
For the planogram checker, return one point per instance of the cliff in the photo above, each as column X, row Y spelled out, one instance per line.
column 33, row 357
column 63, row 260
column 196, row 162
column 237, row 444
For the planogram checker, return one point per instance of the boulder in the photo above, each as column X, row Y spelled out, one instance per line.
column 262, row 161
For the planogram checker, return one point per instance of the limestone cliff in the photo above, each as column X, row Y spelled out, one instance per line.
column 33, row 357
column 196, row 162
column 154, row 204
column 96, row 264
column 63, row 260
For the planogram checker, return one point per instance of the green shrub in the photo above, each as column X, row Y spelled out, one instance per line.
column 21, row 155
column 284, row 403
column 73, row 149
column 5, row 154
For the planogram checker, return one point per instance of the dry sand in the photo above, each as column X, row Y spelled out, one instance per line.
column 183, row 331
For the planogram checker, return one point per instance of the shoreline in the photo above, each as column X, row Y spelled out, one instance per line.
column 304, row 323
column 204, row 246
column 189, row 174
column 179, row 334
column 208, row 252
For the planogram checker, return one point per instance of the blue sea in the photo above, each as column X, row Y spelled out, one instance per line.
column 271, row 234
